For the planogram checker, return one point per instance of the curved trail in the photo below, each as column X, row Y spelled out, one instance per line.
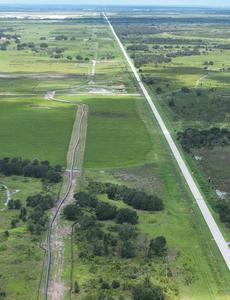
column 8, row 196
column 61, row 202
column 207, row 215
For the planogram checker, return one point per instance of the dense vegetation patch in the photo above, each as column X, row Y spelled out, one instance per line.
column 194, row 138
column 135, row 198
column 104, row 230
column 27, row 168
column 34, row 213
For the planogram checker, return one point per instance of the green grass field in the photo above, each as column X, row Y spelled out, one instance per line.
column 35, row 128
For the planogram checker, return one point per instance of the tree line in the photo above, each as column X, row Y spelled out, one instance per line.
column 195, row 138
column 36, row 169
column 135, row 198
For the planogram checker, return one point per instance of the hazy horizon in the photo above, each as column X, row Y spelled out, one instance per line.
column 191, row 3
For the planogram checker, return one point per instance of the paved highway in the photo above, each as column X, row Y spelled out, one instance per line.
column 213, row 227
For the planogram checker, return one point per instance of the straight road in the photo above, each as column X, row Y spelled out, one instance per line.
column 213, row 227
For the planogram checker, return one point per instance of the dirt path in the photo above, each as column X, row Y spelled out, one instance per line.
column 8, row 196
column 60, row 231
column 198, row 82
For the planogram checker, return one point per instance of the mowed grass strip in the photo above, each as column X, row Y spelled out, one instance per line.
column 35, row 128
column 116, row 134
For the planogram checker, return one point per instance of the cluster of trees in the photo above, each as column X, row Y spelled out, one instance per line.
column 183, row 53
column 194, row 138
column 208, row 63
column 105, row 211
column 14, row 204
column 34, row 213
column 140, row 60
column 223, row 208
column 98, row 242
column 23, row 46
column 160, row 41
column 61, row 37
column 150, row 80
column 149, row 292
column 27, row 168
column 138, row 47
column 135, row 198
column 37, row 218
column 88, row 211
column 2, row 294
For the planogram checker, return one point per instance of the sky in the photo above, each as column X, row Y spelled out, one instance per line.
column 216, row 3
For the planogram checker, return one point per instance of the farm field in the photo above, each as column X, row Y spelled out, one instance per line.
column 49, row 69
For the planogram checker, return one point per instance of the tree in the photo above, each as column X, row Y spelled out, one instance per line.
column 105, row 286
column 105, row 211
column 71, row 212
column 14, row 204
column 158, row 90
column 140, row 292
column 126, row 215
column 127, row 249
column 115, row 284
column 13, row 223
column 79, row 57
column 76, row 287
column 157, row 247
column 126, row 231
column 86, row 200
column 185, row 89
column 43, row 45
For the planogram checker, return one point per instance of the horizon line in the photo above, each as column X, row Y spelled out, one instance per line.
column 217, row 6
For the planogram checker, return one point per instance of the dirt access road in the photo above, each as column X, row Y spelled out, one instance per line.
column 55, row 288
column 211, row 223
